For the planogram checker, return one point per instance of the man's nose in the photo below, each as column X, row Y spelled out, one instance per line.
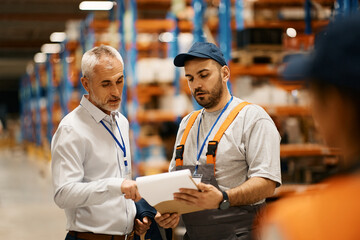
column 197, row 83
column 115, row 91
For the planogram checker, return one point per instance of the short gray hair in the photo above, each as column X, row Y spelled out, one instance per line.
column 91, row 58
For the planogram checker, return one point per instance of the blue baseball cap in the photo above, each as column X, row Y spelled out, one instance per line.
column 201, row 50
column 336, row 58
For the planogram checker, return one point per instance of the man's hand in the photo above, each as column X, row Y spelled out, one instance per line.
column 130, row 191
column 209, row 197
column 142, row 226
column 167, row 220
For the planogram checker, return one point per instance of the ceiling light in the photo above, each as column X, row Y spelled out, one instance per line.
column 291, row 32
column 40, row 57
column 96, row 5
column 57, row 37
column 51, row 48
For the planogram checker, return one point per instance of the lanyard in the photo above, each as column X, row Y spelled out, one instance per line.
column 122, row 147
column 207, row 136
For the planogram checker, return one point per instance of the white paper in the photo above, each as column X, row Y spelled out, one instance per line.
column 161, row 187
column 197, row 180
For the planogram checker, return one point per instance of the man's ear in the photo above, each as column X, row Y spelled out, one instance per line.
column 85, row 82
column 225, row 73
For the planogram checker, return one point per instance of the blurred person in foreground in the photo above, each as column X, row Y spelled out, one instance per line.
column 332, row 72
column 91, row 162
column 239, row 166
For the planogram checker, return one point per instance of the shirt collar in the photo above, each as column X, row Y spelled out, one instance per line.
column 94, row 111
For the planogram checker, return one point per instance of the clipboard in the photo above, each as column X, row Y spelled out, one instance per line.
column 158, row 191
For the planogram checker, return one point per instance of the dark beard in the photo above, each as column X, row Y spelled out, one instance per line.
column 215, row 96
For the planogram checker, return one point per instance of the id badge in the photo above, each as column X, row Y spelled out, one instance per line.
column 197, row 178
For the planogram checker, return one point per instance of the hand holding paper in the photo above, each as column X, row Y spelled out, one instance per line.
column 167, row 220
column 209, row 197
column 130, row 191
column 158, row 190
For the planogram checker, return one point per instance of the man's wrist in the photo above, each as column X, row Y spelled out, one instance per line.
column 225, row 203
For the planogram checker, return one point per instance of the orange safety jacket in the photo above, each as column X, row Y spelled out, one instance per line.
column 330, row 211
column 212, row 145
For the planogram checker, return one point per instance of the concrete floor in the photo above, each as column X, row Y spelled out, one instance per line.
column 27, row 210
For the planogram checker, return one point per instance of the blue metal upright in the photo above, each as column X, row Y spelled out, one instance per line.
column 50, row 98
column 339, row 8
column 82, row 41
column 354, row 6
column 22, row 108
column 82, row 38
column 90, row 34
column 30, row 123
column 173, row 50
column 345, row 8
column 225, row 28
column 198, row 21
column 131, row 64
column 350, row 7
column 25, row 108
column 199, row 7
column 239, row 15
column 308, row 28
column 37, row 106
column 65, row 84
column 224, row 35
column 120, row 12
column 112, row 13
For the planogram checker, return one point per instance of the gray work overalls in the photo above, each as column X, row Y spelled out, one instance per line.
column 232, row 223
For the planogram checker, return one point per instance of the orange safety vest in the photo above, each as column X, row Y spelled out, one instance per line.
column 330, row 211
column 212, row 145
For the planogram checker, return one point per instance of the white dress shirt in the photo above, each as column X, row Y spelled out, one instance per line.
column 88, row 170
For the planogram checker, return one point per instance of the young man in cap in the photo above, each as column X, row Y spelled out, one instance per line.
column 333, row 75
column 91, row 164
column 239, row 167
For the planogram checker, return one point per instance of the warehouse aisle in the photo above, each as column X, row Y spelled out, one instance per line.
column 26, row 207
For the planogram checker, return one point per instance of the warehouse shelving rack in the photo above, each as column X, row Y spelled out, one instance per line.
column 40, row 121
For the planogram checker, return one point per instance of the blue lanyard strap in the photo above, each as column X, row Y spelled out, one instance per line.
column 122, row 147
column 207, row 136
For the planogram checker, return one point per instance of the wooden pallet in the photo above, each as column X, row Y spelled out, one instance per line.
column 250, row 57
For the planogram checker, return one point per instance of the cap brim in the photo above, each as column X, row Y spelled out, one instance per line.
column 297, row 68
column 179, row 60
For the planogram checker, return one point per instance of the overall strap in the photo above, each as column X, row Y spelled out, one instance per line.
column 180, row 148
column 212, row 145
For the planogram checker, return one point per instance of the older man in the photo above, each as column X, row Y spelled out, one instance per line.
column 232, row 145
column 91, row 162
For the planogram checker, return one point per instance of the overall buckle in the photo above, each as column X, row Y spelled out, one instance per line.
column 179, row 152
column 212, row 146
